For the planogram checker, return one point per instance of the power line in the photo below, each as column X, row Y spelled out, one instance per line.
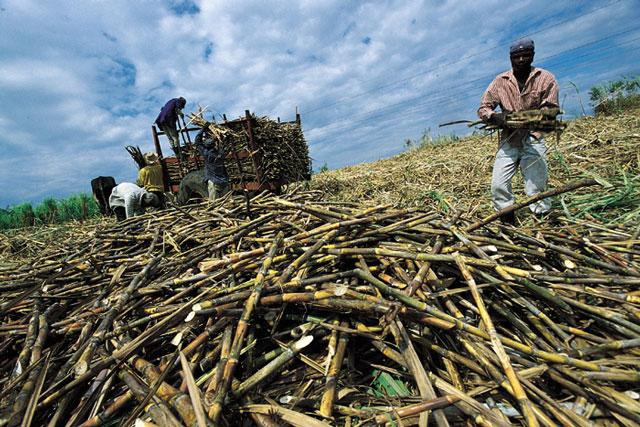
column 464, row 58
column 451, row 89
column 486, row 77
column 419, row 108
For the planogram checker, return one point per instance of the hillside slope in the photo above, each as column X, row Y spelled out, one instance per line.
column 459, row 172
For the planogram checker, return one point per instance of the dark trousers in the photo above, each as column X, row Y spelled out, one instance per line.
column 163, row 200
column 174, row 139
column 121, row 214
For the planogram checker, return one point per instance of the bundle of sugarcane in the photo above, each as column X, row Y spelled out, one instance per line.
column 278, row 150
column 136, row 155
column 542, row 120
column 285, row 154
column 314, row 313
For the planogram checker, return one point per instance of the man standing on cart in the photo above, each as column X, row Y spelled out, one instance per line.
column 166, row 121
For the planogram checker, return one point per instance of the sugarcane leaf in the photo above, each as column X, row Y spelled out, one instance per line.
column 292, row 417
column 194, row 391
column 386, row 385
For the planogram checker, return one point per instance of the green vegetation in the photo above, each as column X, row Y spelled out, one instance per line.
column 619, row 202
column 427, row 139
column 385, row 384
column 323, row 168
column 616, row 96
column 437, row 197
column 50, row 211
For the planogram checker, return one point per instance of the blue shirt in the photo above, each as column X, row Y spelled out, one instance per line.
column 214, row 169
column 169, row 113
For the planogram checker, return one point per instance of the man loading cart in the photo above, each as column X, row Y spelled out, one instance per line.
column 215, row 173
column 524, row 87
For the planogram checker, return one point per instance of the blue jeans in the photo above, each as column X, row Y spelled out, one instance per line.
column 529, row 154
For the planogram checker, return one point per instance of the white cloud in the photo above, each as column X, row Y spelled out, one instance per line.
column 81, row 79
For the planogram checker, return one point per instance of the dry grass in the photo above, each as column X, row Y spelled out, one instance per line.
column 456, row 173
column 459, row 172
column 17, row 246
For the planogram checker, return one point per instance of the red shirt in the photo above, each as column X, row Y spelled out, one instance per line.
column 540, row 90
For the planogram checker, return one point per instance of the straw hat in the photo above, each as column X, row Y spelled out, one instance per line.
column 150, row 158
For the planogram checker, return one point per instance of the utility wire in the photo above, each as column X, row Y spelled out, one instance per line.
column 447, row 64
column 453, row 94
column 395, row 123
column 472, row 83
column 486, row 77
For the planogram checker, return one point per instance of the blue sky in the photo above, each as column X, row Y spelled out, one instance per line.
column 79, row 80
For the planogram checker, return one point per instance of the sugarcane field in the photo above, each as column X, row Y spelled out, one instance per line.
column 308, row 215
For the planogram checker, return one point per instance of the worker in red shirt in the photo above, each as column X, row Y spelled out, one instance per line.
column 524, row 87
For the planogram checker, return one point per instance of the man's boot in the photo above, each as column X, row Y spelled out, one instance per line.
column 508, row 218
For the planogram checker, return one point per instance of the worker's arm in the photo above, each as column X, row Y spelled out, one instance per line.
column 132, row 204
column 550, row 94
column 490, row 100
column 178, row 108
column 142, row 177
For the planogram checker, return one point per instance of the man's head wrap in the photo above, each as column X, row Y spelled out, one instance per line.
column 150, row 199
column 521, row 45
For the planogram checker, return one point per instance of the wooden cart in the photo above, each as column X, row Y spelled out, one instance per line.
column 174, row 170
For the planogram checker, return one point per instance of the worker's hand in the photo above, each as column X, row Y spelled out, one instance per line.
column 498, row 119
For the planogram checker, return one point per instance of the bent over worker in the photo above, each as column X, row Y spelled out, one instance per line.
column 128, row 200
column 167, row 119
column 524, row 87
column 150, row 177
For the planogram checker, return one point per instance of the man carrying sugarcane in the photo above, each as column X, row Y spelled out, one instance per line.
column 524, row 87
column 128, row 200
column 167, row 119
column 215, row 173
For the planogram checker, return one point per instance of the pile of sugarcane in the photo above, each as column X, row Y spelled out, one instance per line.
column 136, row 155
column 278, row 150
column 285, row 154
column 542, row 120
column 307, row 313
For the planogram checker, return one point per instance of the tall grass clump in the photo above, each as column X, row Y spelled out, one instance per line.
column 620, row 203
column 47, row 211
column 427, row 140
column 17, row 216
column 616, row 96
column 50, row 211
column 79, row 206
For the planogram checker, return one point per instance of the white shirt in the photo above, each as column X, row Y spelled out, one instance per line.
column 129, row 196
